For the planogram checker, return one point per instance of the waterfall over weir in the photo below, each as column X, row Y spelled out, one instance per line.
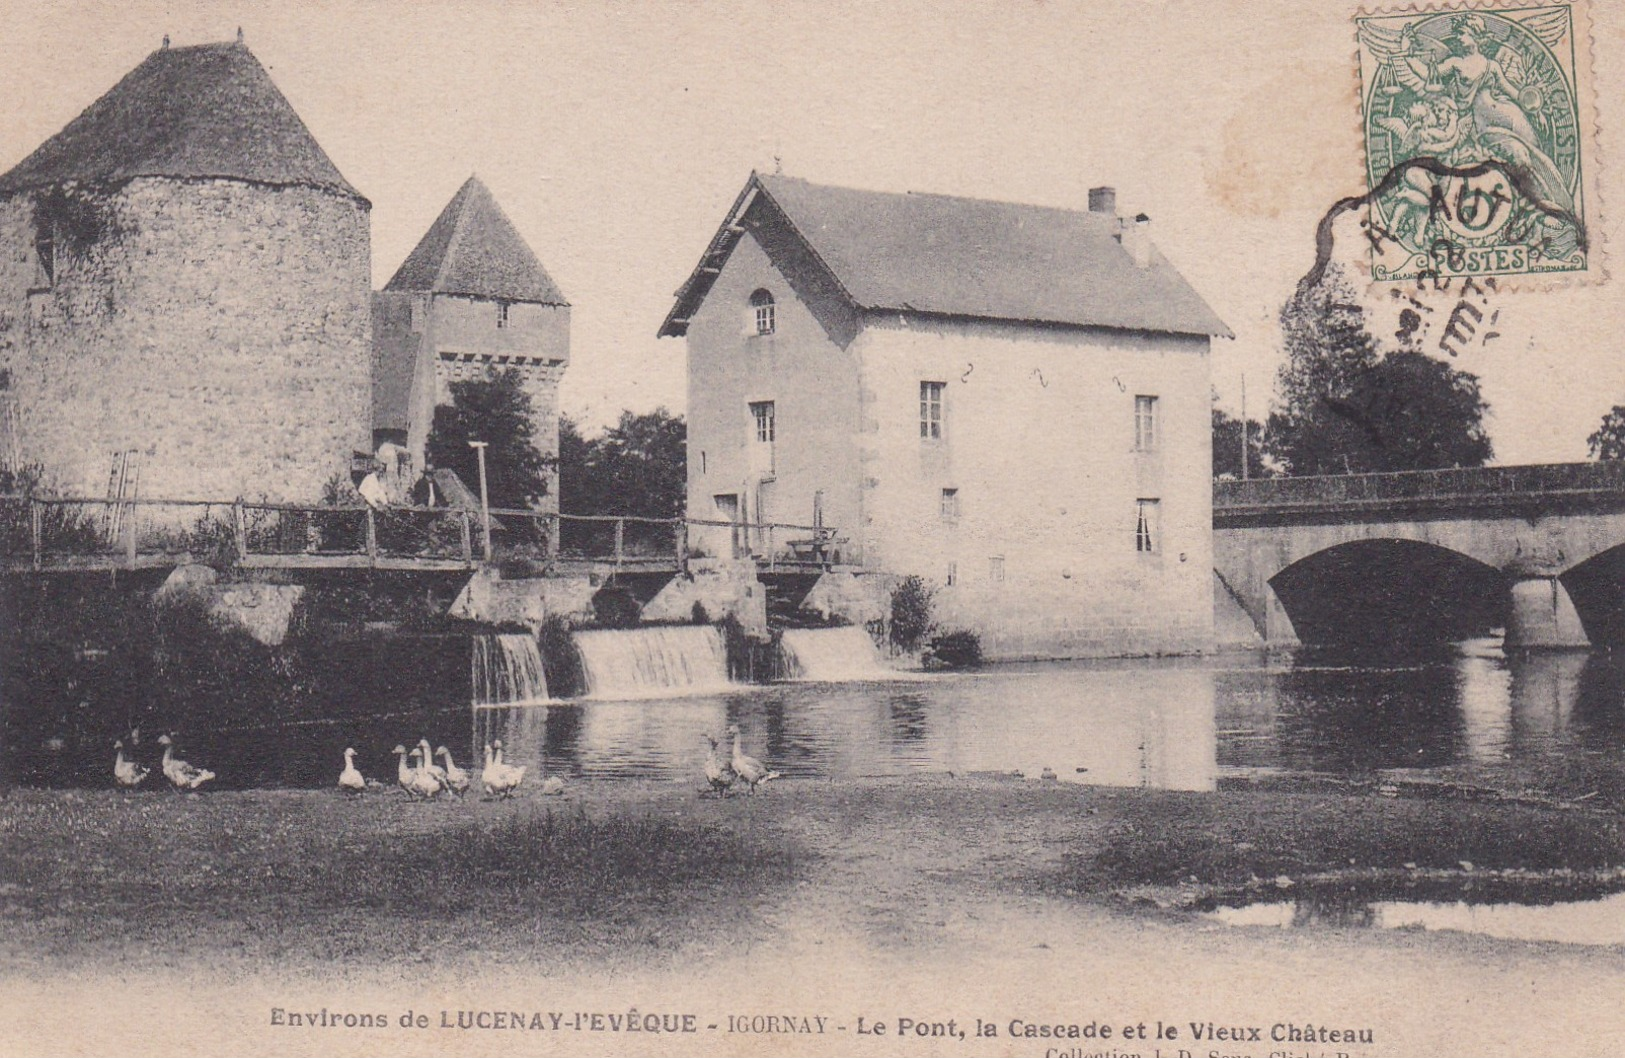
column 508, row 671
column 832, row 654
column 653, row 662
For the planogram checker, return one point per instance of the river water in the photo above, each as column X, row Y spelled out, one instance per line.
column 1467, row 714
column 1553, row 723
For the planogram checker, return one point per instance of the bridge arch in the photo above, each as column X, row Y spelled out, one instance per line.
column 1390, row 592
column 1596, row 586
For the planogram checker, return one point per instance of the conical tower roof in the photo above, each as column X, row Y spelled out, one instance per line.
column 473, row 249
column 205, row 111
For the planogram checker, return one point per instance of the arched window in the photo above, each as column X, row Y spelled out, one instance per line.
column 762, row 303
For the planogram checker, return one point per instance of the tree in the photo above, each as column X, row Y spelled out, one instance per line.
column 637, row 467
column 498, row 411
column 1345, row 408
column 1609, row 440
column 1227, row 447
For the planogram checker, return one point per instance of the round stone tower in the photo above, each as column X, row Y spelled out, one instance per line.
column 184, row 293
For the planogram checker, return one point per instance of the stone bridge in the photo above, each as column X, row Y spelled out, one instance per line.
column 1429, row 555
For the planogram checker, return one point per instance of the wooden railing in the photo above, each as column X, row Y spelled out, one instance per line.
column 51, row 533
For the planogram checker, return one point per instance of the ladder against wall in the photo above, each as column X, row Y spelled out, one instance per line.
column 11, row 459
column 123, row 486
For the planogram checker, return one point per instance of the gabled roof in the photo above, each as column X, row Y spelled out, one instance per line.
column 205, row 111
column 942, row 255
column 472, row 248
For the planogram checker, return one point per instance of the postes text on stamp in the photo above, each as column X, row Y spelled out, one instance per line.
column 1475, row 132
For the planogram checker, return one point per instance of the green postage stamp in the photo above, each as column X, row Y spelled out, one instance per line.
column 1478, row 140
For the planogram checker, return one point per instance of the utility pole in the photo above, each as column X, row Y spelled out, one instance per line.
column 485, row 497
column 1243, row 426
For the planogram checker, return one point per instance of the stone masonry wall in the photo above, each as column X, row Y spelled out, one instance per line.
column 1036, row 547
column 464, row 341
column 221, row 329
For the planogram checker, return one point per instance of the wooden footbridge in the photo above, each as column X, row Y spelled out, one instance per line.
column 57, row 535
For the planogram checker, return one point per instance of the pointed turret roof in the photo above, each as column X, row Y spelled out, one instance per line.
column 209, row 110
column 473, row 249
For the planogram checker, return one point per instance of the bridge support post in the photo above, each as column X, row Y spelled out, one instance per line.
column 1543, row 616
column 1277, row 630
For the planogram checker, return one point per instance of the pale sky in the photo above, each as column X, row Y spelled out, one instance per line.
column 615, row 137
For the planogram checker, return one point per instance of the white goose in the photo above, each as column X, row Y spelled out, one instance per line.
column 456, row 778
column 753, row 771
column 720, row 775
column 499, row 779
column 181, row 774
column 424, row 784
column 127, row 773
column 350, row 780
column 403, row 772
column 434, row 771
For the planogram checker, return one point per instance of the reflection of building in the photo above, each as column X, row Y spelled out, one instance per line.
column 184, row 291
column 471, row 298
column 1009, row 400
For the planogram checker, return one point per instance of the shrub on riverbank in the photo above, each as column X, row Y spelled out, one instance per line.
column 955, row 650
column 560, row 659
column 911, row 613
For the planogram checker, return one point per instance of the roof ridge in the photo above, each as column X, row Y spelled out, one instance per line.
column 459, row 226
column 950, row 255
column 808, row 243
column 947, row 196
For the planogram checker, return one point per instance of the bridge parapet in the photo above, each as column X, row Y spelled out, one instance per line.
column 1470, row 488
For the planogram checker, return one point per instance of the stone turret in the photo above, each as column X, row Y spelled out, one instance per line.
column 471, row 298
column 186, row 278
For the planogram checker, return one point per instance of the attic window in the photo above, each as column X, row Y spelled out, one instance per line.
column 762, row 303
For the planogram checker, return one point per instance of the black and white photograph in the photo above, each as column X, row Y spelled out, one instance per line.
column 761, row 527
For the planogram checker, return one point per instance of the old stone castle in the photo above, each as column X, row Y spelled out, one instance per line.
column 186, row 307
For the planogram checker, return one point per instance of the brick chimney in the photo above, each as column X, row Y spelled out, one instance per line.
column 1103, row 200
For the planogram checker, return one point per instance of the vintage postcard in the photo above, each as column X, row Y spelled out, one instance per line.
column 739, row 528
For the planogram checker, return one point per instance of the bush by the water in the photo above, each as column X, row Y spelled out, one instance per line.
column 955, row 650
column 616, row 608
column 911, row 612
column 560, row 659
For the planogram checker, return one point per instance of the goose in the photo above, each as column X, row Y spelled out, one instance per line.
column 552, row 786
column 181, row 774
column 753, row 771
column 719, row 774
column 424, row 784
column 499, row 779
column 405, row 774
column 456, row 778
column 127, row 773
column 350, row 780
column 435, row 771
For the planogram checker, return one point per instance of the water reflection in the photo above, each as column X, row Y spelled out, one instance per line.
column 1101, row 726
column 1599, row 921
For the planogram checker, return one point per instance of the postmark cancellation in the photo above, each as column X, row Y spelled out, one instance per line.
column 1479, row 142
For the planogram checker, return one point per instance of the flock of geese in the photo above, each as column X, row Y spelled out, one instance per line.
column 424, row 780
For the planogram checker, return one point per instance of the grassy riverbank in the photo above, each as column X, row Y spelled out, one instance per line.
column 627, row 872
